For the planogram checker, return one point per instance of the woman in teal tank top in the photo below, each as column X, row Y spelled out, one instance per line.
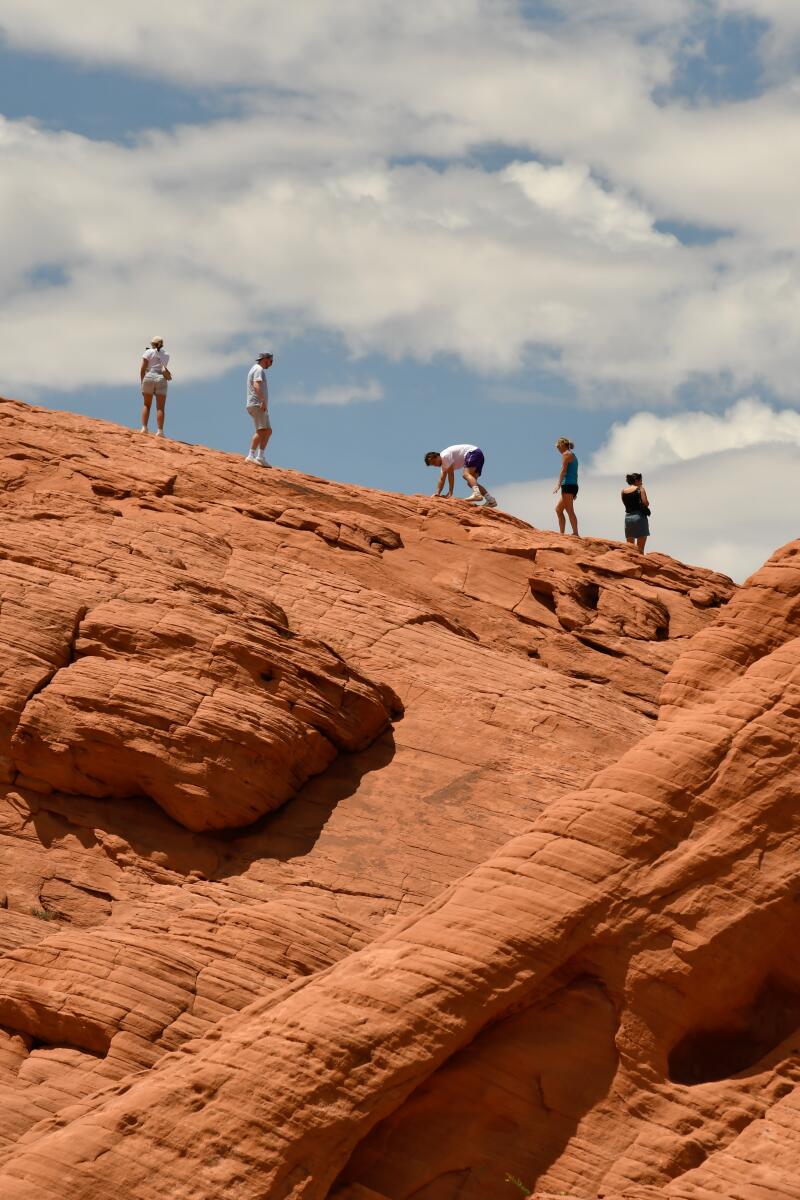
column 567, row 485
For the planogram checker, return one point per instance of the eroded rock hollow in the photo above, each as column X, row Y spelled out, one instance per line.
column 370, row 847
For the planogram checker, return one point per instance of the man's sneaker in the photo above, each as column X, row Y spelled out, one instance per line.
column 250, row 458
column 475, row 494
column 262, row 462
column 489, row 501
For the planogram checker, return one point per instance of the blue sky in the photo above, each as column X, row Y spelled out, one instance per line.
column 480, row 221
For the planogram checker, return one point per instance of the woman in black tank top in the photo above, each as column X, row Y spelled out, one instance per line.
column 637, row 510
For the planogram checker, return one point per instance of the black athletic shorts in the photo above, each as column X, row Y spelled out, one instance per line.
column 569, row 489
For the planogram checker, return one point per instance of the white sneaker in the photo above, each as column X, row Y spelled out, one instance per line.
column 489, row 501
column 250, row 458
column 159, row 433
column 143, row 429
column 475, row 494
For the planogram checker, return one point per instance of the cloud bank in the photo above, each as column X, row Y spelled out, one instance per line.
column 658, row 441
column 456, row 180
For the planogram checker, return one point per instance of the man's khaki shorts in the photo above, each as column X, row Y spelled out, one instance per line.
column 260, row 417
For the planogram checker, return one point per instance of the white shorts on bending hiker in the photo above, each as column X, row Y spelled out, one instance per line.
column 258, row 407
column 155, row 376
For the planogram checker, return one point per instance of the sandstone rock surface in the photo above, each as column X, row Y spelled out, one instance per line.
column 346, row 853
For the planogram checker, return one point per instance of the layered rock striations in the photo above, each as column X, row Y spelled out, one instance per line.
column 346, row 850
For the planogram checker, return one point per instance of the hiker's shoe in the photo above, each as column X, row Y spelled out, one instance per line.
column 159, row 433
column 250, row 458
column 489, row 501
column 262, row 462
column 143, row 429
column 475, row 494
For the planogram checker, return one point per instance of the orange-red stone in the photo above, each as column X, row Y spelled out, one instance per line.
column 343, row 854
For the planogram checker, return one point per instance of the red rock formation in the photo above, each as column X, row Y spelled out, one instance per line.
column 604, row 1003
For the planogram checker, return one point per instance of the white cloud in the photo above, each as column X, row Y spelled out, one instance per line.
column 336, row 395
column 655, row 441
column 339, row 45
column 582, row 205
column 217, row 239
column 724, row 489
column 198, row 232
column 297, row 216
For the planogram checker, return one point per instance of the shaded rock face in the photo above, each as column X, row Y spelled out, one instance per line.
column 345, row 849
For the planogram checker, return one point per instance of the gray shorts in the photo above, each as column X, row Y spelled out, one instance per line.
column 154, row 384
column 260, row 417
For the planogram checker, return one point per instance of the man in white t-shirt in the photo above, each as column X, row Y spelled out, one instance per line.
column 471, row 460
column 258, row 407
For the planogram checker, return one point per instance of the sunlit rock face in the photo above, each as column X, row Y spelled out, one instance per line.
column 441, row 847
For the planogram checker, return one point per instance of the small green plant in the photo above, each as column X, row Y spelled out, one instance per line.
column 517, row 1183
column 43, row 914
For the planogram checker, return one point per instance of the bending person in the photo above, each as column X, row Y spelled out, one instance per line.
column 471, row 460
column 154, row 374
column 637, row 510
column 567, row 484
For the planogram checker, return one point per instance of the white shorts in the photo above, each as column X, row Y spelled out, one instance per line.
column 154, row 384
column 260, row 417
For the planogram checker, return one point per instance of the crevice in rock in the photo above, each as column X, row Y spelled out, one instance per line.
column 544, row 595
column 76, row 632
column 590, row 594
column 515, row 552
column 600, row 647
column 69, row 658
column 104, row 488
column 168, row 487
column 708, row 1055
column 43, row 1044
column 438, row 619
column 590, row 676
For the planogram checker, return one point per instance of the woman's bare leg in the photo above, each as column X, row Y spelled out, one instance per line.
column 146, row 402
column 562, row 522
column 568, row 501
column 160, row 403
column 640, row 544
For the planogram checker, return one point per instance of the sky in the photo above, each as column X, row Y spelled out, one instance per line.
column 485, row 221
